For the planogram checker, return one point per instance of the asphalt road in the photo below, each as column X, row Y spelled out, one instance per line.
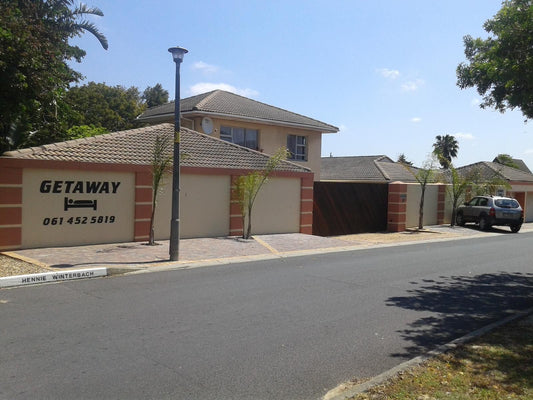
column 280, row 329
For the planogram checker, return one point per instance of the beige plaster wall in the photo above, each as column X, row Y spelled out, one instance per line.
column 413, row 205
column 46, row 222
column 277, row 207
column 272, row 137
column 528, row 216
column 204, row 207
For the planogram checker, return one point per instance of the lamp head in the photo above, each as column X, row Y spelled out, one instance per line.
column 178, row 53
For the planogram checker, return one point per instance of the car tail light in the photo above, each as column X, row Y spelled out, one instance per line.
column 492, row 212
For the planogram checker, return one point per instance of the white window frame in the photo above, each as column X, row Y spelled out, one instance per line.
column 230, row 137
column 297, row 146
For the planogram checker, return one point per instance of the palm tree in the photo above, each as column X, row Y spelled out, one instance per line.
column 68, row 20
column 445, row 148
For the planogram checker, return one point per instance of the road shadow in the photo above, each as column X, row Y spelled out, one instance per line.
column 460, row 305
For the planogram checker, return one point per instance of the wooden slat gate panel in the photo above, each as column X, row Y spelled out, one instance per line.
column 346, row 208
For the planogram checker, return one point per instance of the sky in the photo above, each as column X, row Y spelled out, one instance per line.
column 382, row 71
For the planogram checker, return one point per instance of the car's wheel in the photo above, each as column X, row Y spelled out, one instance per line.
column 483, row 223
column 459, row 219
column 515, row 228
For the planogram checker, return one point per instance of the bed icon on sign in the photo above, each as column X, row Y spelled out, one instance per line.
column 71, row 203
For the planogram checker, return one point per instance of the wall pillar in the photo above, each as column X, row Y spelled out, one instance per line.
column 143, row 206
column 306, row 205
column 10, row 208
column 441, row 204
column 397, row 207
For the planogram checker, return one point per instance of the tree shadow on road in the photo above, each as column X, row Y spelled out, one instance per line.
column 457, row 305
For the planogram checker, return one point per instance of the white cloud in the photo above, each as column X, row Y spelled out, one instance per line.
column 475, row 102
column 416, row 119
column 389, row 73
column 412, row 86
column 466, row 136
column 204, row 87
column 205, row 67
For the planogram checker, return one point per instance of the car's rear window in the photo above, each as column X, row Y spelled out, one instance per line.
column 507, row 203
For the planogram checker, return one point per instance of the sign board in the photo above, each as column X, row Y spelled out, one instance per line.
column 62, row 208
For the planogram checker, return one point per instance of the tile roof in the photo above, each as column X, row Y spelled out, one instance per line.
column 227, row 104
column 520, row 164
column 489, row 170
column 135, row 147
column 378, row 168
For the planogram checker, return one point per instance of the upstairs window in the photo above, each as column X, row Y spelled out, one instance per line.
column 241, row 136
column 297, row 146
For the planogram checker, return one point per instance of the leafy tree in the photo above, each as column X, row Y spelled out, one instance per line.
column 34, row 73
column 458, row 184
column 424, row 176
column 111, row 107
column 491, row 184
column 445, row 148
column 248, row 186
column 403, row 160
column 500, row 66
column 155, row 96
column 83, row 131
column 161, row 164
column 506, row 159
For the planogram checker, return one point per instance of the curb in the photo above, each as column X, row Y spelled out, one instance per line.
column 50, row 277
column 385, row 376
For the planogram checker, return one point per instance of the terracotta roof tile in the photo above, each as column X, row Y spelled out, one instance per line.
column 135, row 147
column 230, row 104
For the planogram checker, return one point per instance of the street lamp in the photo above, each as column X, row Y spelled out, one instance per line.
column 174, row 246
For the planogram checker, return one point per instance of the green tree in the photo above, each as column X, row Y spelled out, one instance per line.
column 34, row 73
column 404, row 161
column 491, row 184
column 84, row 131
column 155, row 96
column 111, row 107
column 445, row 148
column 500, row 66
column 161, row 165
column 506, row 159
column 457, row 185
column 247, row 188
column 424, row 176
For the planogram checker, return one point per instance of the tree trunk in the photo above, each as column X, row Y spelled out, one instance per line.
column 421, row 210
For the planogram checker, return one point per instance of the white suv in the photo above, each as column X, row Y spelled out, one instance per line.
column 491, row 210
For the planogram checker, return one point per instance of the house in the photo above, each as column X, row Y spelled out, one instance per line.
column 520, row 164
column 99, row 190
column 375, row 169
column 249, row 123
column 519, row 180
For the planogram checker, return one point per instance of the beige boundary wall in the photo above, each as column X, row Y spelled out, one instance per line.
column 55, row 203
column 404, row 201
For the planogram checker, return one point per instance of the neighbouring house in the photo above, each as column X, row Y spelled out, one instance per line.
column 520, row 181
column 370, row 169
column 99, row 190
column 249, row 123
column 371, row 194
column 520, row 164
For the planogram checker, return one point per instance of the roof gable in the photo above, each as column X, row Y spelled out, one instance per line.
column 135, row 146
column 227, row 104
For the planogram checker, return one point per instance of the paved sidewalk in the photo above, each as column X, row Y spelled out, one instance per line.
column 212, row 251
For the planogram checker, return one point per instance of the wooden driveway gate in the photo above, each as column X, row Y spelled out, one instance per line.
column 345, row 208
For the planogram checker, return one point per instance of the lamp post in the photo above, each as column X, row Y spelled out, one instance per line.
column 174, row 246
